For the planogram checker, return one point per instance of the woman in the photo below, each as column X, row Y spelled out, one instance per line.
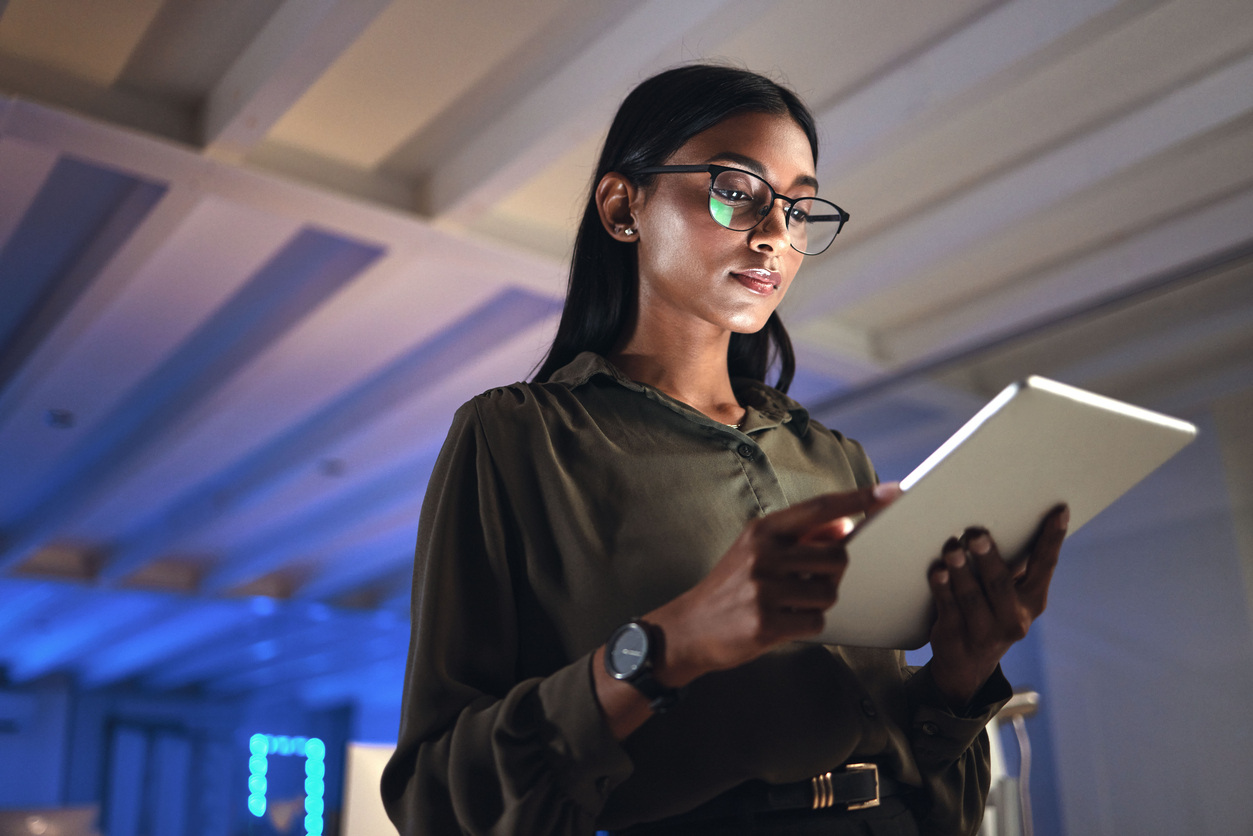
column 615, row 559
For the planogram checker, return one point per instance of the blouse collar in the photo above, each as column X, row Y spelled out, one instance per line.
column 766, row 406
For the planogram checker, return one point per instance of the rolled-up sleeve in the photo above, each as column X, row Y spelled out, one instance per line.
column 479, row 750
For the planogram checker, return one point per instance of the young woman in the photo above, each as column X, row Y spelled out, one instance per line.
column 615, row 559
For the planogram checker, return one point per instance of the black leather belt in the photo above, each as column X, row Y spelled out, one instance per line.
column 855, row 786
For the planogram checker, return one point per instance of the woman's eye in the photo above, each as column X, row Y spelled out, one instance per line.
column 732, row 196
column 799, row 215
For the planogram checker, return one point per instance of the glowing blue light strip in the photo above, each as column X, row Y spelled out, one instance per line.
column 261, row 746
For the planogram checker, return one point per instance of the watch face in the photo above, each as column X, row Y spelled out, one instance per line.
column 628, row 650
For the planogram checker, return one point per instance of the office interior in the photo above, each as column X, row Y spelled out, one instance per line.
column 254, row 253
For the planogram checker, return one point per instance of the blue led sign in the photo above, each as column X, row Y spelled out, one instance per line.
column 261, row 746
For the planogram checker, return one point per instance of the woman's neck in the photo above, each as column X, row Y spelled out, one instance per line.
column 692, row 371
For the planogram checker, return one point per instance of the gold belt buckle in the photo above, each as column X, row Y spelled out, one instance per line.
column 824, row 794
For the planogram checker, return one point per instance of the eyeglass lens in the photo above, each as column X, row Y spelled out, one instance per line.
column 739, row 200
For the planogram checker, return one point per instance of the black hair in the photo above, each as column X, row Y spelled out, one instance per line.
column 653, row 122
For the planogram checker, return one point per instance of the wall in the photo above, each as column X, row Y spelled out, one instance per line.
column 1148, row 654
column 33, row 744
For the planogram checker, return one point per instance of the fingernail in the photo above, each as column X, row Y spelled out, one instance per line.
column 1063, row 519
column 844, row 526
column 981, row 545
column 941, row 577
column 887, row 490
column 955, row 559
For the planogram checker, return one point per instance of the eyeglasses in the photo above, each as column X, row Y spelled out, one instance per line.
column 738, row 200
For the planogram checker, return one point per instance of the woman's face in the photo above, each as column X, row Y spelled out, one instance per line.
column 694, row 272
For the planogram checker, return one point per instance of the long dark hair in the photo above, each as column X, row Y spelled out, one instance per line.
column 654, row 121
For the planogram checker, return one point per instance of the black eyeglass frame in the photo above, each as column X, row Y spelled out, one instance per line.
column 713, row 170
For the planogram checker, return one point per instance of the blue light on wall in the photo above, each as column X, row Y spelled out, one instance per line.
column 261, row 746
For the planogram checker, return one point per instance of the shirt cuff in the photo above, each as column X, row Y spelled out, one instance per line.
column 937, row 733
column 590, row 763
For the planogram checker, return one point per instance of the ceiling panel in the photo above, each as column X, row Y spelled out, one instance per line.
column 92, row 41
column 825, row 49
column 403, row 71
column 1166, row 186
column 253, row 254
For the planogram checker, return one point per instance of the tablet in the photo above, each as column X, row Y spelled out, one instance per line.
column 1037, row 444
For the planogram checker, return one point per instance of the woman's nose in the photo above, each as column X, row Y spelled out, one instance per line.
column 772, row 230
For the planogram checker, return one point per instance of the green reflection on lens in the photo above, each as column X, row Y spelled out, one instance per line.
column 721, row 212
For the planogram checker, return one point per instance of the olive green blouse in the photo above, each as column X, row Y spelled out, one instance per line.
column 559, row 510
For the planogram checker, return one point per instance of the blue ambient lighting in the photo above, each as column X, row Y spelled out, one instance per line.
column 260, row 746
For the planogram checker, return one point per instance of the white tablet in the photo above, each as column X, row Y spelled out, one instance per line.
column 1034, row 446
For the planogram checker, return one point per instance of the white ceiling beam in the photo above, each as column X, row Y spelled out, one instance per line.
column 1210, row 386
column 855, row 127
column 79, row 637
column 359, row 645
column 899, row 255
column 140, row 269
column 226, row 651
column 65, row 133
column 294, row 49
column 190, row 626
column 120, row 105
column 362, row 566
column 159, row 160
column 327, row 526
column 1166, row 344
column 573, row 105
column 363, row 684
column 1154, row 251
column 26, row 168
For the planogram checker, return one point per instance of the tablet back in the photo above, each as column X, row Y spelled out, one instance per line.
column 1036, row 445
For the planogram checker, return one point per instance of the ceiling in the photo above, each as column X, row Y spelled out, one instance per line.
column 253, row 253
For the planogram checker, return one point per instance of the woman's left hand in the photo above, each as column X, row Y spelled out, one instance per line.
column 982, row 610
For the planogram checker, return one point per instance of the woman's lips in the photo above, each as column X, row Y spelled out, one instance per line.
column 763, row 282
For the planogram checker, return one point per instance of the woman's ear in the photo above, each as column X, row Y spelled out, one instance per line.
column 615, row 201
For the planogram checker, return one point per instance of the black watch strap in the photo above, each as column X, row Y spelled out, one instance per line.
column 660, row 698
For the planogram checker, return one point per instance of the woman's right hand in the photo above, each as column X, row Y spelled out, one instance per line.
column 773, row 585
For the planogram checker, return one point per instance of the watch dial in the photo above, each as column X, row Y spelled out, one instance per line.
column 629, row 650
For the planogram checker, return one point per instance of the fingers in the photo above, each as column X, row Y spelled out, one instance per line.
column 826, row 557
column 975, row 589
column 833, row 531
column 796, row 593
column 1001, row 594
column 797, row 520
column 967, row 592
column 1034, row 585
column 948, row 618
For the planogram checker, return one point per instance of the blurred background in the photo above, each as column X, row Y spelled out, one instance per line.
column 253, row 254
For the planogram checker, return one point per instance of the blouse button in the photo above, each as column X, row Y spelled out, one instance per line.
column 867, row 706
column 745, row 450
column 930, row 729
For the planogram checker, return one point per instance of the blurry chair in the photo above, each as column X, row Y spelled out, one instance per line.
column 1009, row 800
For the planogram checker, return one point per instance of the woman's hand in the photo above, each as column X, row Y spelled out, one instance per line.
column 773, row 585
column 981, row 610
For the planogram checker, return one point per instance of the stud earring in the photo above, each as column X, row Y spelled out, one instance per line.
column 628, row 231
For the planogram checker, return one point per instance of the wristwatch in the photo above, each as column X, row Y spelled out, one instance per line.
column 630, row 655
